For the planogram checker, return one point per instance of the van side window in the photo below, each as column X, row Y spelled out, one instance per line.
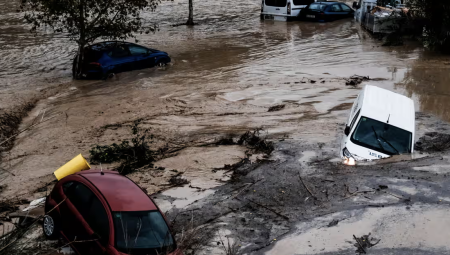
column 303, row 2
column 354, row 119
column 276, row 3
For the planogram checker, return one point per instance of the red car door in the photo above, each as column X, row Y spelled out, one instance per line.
column 76, row 214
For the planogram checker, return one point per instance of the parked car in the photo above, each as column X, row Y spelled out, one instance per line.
column 326, row 11
column 381, row 124
column 104, row 58
column 103, row 212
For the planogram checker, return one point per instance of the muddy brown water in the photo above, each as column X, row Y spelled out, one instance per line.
column 226, row 73
column 231, row 44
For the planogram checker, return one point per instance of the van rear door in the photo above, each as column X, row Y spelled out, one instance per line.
column 275, row 7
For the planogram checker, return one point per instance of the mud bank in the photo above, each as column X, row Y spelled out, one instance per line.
column 287, row 205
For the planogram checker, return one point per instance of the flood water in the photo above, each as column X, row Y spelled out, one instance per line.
column 232, row 45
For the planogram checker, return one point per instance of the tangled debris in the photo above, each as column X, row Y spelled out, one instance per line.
column 131, row 155
column 364, row 242
column 253, row 140
column 356, row 80
column 433, row 142
column 10, row 121
column 178, row 180
column 276, row 108
column 191, row 237
column 10, row 205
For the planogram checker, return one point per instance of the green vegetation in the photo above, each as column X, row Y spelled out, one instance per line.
column 132, row 155
column 85, row 21
column 431, row 20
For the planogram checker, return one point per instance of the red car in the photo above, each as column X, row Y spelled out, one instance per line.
column 103, row 212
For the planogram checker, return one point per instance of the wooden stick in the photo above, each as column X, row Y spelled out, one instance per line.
column 309, row 191
column 270, row 209
column 25, row 129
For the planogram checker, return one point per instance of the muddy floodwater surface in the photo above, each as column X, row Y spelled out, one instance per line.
column 229, row 74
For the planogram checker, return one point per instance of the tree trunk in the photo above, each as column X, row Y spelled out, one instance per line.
column 77, row 68
column 190, row 20
column 79, row 59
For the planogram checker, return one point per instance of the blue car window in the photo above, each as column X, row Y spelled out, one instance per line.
column 137, row 50
column 317, row 7
column 345, row 8
column 335, row 8
column 119, row 51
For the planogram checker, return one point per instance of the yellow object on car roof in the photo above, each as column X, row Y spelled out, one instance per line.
column 75, row 165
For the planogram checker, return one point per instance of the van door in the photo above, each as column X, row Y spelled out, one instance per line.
column 275, row 7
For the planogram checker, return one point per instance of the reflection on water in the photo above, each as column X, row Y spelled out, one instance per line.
column 429, row 81
column 232, row 45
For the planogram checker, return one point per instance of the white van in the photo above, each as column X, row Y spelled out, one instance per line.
column 381, row 124
column 283, row 10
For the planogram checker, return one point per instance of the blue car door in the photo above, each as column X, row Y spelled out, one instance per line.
column 122, row 60
column 142, row 56
column 348, row 11
column 336, row 12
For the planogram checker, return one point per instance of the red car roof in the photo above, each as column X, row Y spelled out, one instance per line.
column 121, row 193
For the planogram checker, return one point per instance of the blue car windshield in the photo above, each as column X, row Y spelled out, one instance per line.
column 381, row 137
column 317, row 7
column 142, row 233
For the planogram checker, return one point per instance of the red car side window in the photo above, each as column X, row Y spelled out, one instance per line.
column 90, row 208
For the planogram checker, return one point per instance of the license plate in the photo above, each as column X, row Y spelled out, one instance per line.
column 266, row 16
column 311, row 16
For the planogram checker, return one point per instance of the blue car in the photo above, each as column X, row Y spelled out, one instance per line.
column 326, row 11
column 106, row 58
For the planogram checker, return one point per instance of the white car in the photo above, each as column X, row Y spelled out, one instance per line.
column 283, row 10
column 381, row 124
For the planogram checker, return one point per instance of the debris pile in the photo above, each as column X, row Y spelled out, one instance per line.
column 276, row 108
column 356, row 80
column 364, row 242
column 178, row 180
column 433, row 142
column 132, row 155
column 253, row 140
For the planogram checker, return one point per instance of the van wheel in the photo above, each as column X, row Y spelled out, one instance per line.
column 51, row 228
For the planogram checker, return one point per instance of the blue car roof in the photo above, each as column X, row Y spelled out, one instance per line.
column 326, row 3
column 104, row 46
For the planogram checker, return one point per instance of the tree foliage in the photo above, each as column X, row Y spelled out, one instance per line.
column 85, row 21
column 432, row 19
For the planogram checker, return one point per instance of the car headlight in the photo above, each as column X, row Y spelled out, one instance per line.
column 348, row 158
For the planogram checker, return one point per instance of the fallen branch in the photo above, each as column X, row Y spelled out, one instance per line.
column 270, row 209
column 32, row 224
column 399, row 197
column 74, row 241
column 306, row 187
column 27, row 128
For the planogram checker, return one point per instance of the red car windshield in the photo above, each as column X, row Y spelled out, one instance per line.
column 142, row 233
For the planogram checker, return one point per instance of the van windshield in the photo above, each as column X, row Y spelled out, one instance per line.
column 142, row 233
column 381, row 137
